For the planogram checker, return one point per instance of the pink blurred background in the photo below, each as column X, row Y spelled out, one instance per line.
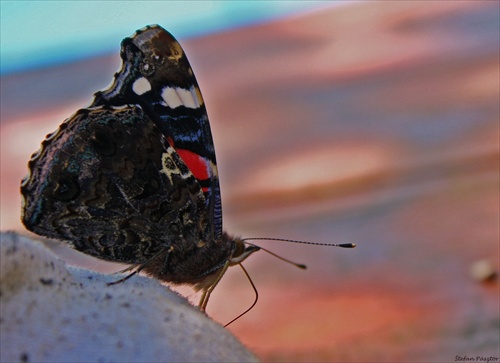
column 375, row 123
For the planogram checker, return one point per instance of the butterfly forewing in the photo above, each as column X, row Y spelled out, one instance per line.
column 156, row 75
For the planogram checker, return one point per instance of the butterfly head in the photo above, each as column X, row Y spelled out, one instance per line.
column 241, row 251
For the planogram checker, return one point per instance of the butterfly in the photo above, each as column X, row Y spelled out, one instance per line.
column 133, row 177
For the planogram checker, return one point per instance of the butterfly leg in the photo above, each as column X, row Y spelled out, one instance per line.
column 128, row 276
column 206, row 293
column 140, row 267
column 127, row 269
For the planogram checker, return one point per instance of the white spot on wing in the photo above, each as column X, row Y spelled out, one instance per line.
column 187, row 97
column 212, row 169
column 168, row 165
column 170, row 97
column 141, row 86
column 176, row 96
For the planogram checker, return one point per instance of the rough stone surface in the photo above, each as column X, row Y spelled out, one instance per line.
column 54, row 313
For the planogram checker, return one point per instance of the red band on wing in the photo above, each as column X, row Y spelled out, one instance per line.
column 197, row 164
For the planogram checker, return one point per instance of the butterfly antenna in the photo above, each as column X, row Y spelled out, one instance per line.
column 299, row 265
column 343, row 245
column 254, row 302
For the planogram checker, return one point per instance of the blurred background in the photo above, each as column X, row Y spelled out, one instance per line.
column 375, row 123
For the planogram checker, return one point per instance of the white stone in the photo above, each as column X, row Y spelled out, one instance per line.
column 54, row 313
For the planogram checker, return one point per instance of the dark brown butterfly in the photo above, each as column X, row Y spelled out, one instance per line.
column 133, row 178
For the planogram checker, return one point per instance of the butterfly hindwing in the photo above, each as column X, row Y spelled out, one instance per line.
column 108, row 181
column 157, row 76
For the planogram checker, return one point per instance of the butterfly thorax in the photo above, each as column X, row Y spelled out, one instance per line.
column 198, row 266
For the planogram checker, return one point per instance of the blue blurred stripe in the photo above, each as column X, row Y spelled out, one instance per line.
column 41, row 33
